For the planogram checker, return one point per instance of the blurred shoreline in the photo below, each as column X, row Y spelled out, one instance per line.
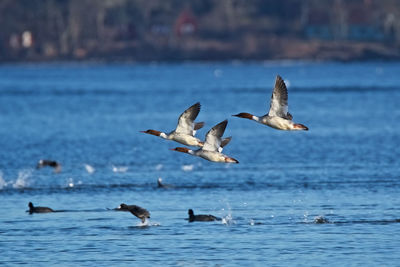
column 198, row 50
column 199, row 30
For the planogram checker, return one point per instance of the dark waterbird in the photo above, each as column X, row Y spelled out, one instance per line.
column 160, row 184
column 139, row 212
column 201, row 217
column 33, row 209
column 321, row 219
column 50, row 163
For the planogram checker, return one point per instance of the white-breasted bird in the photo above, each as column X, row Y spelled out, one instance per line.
column 278, row 116
column 211, row 148
column 186, row 129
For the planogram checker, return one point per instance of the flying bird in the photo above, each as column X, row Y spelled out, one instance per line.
column 139, row 212
column 278, row 116
column 186, row 129
column 211, row 148
column 50, row 163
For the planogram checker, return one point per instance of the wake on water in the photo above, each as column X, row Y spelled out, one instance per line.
column 147, row 223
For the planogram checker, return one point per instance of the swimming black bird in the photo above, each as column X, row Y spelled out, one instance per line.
column 50, row 163
column 160, row 184
column 201, row 217
column 33, row 209
column 139, row 212
column 321, row 219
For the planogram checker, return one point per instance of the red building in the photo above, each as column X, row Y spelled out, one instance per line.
column 186, row 23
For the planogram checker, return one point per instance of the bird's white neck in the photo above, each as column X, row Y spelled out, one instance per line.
column 255, row 118
column 164, row 135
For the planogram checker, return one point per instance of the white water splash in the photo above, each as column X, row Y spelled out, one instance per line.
column 2, row 182
column 188, row 168
column 147, row 223
column 154, row 224
column 89, row 169
column 119, row 168
column 22, row 180
column 70, row 183
column 305, row 217
column 228, row 220
column 159, row 167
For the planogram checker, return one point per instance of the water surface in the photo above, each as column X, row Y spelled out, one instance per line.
column 346, row 168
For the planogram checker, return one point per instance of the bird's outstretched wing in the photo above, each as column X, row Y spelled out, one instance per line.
column 213, row 137
column 279, row 100
column 186, row 120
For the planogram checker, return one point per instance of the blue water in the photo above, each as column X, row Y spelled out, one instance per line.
column 345, row 168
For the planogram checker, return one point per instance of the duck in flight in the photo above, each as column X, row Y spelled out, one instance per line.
column 201, row 217
column 33, row 209
column 50, row 163
column 211, row 149
column 278, row 116
column 139, row 212
column 186, row 129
